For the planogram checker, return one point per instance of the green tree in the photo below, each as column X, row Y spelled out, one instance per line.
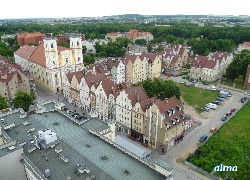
column 23, row 100
column 161, row 89
column 159, row 48
column 88, row 59
column 97, row 47
column 140, row 41
column 3, row 103
column 84, row 49
column 149, row 47
column 170, row 38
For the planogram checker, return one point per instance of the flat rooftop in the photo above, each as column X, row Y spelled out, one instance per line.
column 80, row 147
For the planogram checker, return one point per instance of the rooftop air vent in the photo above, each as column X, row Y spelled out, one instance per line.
column 47, row 173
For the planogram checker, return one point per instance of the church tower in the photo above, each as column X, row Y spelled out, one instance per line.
column 51, row 53
column 76, row 45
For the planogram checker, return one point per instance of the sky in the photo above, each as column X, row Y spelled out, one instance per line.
column 95, row 8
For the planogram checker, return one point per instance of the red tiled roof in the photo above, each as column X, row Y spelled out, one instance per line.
column 146, row 103
column 25, row 51
column 175, row 59
column 136, row 92
column 109, row 87
column 70, row 76
column 171, row 103
column 38, row 56
column 112, row 34
column 79, row 75
column 93, row 79
column 210, row 64
column 246, row 44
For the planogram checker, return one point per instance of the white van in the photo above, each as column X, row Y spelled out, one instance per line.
column 225, row 93
column 211, row 106
column 213, row 88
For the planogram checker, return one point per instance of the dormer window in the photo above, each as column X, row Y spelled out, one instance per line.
column 178, row 107
column 169, row 113
column 173, row 121
column 173, row 110
column 183, row 116
column 177, row 119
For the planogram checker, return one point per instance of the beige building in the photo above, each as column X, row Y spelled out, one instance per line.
column 139, row 118
column 164, row 125
column 211, row 67
column 49, row 63
column 125, row 102
column 140, row 68
column 13, row 78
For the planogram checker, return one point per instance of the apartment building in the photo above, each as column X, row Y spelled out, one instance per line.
column 13, row 78
column 164, row 124
column 125, row 102
column 26, row 38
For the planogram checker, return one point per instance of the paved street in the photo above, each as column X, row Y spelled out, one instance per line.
column 188, row 145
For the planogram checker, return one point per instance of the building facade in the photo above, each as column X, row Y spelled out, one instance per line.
column 49, row 63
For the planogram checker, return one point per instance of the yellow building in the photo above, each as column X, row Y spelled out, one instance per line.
column 49, row 63
column 164, row 124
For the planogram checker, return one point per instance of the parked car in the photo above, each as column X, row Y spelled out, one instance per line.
column 213, row 88
column 216, row 102
column 205, row 83
column 223, row 96
column 73, row 115
column 211, row 106
column 245, row 93
column 203, row 138
column 69, row 111
column 224, row 118
column 213, row 129
column 205, row 109
column 207, row 88
column 229, row 113
column 243, row 100
column 233, row 110
column 187, row 85
column 219, row 99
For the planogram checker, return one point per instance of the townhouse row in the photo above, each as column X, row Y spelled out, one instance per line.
column 211, row 67
column 153, row 122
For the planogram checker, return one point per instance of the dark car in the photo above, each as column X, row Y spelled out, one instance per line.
column 224, row 118
column 75, row 114
column 205, row 83
column 233, row 110
column 219, row 99
column 205, row 109
column 222, row 96
column 216, row 102
column 243, row 100
column 229, row 113
column 203, row 138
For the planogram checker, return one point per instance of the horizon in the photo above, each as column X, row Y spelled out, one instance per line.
column 77, row 8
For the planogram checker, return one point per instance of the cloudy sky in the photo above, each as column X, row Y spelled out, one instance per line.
column 95, row 8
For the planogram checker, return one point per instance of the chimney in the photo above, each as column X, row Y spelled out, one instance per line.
column 166, row 99
column 113, row 90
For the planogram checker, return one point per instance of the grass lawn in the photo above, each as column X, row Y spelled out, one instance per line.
column 238, row 83
column 197, row 97
column 229, row 146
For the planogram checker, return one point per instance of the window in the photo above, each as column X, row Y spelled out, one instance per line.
column 52, row 45
column 79, row 59
column 77, row 43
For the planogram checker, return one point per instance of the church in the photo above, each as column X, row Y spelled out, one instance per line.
column 48, row 63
